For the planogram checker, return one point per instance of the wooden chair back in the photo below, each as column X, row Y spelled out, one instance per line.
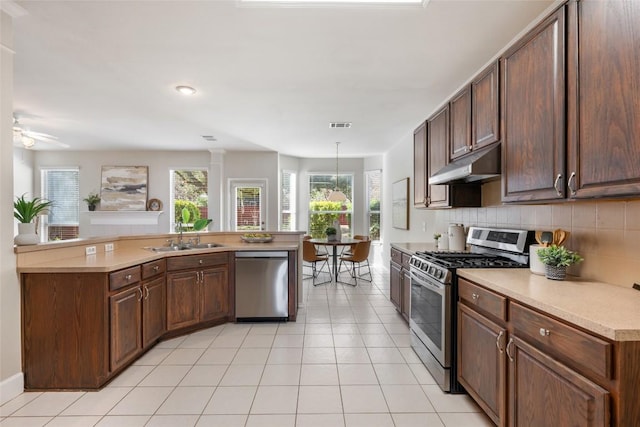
column 361, row 251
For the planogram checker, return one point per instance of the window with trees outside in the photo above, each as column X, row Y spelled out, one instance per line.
column 62, row 187
column 374, row 197
column 189, row 189
column 288, row 201
column 322, row 212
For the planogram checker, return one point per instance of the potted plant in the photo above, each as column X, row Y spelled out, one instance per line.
column 92, row 200
column 436, row 239
column 26, row 211
column 331, row 233
column 556, row 259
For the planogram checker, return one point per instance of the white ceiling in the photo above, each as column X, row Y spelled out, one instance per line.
column 100, row 75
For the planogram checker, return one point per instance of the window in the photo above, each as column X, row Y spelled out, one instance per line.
column 248, row 205
column 189, row 189
column 374, row 198
column 62, row 187
column 288, row 201
column 322, row 212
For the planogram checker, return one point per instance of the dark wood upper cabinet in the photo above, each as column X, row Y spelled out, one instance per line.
column 460, row 106
column 533, row 114
column 437, row 155
column 604, row 98
column 485, row 107
column 420, row 176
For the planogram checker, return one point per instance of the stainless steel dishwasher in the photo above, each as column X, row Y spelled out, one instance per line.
column 262, row 285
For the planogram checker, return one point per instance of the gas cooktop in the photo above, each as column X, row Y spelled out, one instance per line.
column 468, row 260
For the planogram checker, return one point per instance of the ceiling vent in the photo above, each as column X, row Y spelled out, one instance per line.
column 209, row 138
column 340, row 125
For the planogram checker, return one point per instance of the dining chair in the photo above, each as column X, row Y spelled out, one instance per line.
column 358, row 259
column 312, row 258
column 348, row 250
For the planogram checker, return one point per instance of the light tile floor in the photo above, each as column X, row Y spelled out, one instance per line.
column 346, row 362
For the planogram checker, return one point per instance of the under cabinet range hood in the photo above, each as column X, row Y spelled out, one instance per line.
column 479, row 166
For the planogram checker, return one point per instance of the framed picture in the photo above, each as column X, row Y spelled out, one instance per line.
column 400, row 202
column 124, row 188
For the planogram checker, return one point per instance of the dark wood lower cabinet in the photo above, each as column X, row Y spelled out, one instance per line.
column 395, row 284
column 154, row 310
column 531, row 369
column 214, row 290
column 183, row 306
column 482, row 362
column 545, row 392
column 400, row 281
column 126, row 326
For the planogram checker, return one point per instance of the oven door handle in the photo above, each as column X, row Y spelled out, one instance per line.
column 420, row 281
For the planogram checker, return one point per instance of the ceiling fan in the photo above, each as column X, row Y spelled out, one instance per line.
column 28, row 138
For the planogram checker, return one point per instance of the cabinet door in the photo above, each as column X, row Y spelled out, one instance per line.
column 437, row 155
column 544, row 392
column 395, row 284
column 406, row 293
column 183, row 304
column 154, row 310
column 214, row 296
column 126, row 328
column 604, row 99
column 485, row 107
column 420, row 166
column 482, row 363
column 533, row 114
column 460, row 124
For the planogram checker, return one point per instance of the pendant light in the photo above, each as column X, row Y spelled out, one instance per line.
column 337, row 195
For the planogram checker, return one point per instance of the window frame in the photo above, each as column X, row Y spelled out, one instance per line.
column 44, row 220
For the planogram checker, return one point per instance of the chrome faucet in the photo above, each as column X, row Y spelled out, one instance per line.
column 180, row 233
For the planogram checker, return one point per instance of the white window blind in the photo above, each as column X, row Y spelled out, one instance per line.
column 288, row 201
column 62, row 187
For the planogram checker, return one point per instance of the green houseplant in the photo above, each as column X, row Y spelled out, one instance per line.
column 556, row 260
column 26, row 212
column 331, row 233
column 92, row 200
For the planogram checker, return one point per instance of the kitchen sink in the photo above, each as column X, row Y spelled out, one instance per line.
column 184, row 247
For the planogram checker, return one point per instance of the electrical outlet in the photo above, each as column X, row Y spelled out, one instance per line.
column 108, row 247
column 90, row 250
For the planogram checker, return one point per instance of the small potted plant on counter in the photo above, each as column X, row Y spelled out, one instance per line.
column 26, row 212
column 92, row 200
column 331, row 234
column 556, row 259
column 436, row 239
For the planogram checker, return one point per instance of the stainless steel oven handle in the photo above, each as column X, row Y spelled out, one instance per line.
column 436, row 287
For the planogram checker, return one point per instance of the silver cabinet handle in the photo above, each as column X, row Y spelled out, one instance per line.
column 545, row 332
column 140, row 297
column 507, row 349
column 146, row 292
column 200, row 262
column 128, row 277
column 156, row 267
column 571, row 183
column 475, row 296
column 556, row 185
column 498, row 341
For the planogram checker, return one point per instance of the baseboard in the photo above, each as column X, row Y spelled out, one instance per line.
column 11, row 387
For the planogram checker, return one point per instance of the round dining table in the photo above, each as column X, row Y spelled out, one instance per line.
column 346, row 241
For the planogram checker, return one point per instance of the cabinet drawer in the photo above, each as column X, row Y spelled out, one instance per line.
column 577, row 347
column 405, row 260
column 482, row 298
column 396, row 256
column 123, row 278
column 195, row 261
column 153, row 268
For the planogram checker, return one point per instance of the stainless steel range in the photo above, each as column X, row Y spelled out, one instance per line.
column 434, row 294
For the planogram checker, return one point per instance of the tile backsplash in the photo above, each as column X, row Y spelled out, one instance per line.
column 605, row 233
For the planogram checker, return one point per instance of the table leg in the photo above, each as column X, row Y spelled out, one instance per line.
column 335, row 262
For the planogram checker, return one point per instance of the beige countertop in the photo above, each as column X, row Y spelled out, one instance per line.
column 607, row 310
column 133, row 253
column 414, row 247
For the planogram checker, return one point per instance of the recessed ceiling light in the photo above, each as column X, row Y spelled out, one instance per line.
column 186, row 90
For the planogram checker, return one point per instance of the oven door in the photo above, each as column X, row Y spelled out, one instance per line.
column 430, row 315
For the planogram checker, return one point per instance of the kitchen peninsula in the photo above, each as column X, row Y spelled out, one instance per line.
column 85, row 318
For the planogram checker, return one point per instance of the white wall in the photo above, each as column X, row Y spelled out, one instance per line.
column 11, row 379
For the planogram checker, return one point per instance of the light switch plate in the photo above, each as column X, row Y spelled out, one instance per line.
column 90, row 250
